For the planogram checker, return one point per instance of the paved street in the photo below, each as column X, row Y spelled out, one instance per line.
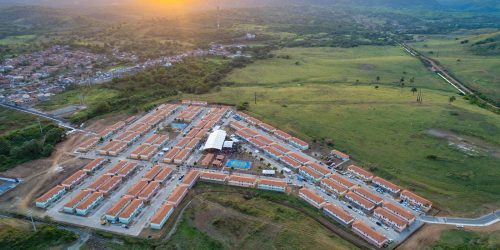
column 484, row 220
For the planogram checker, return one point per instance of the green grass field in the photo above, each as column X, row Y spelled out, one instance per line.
column 18, row 39
column 359, row 65
column 481, row 73
column 73, row 97
column 12, row 120
column 384, row 128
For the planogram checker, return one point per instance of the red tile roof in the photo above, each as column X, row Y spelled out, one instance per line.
column 419, row 199
column 118, row 206
column 360, row 171
column 50, row 194
column 312, row 195
column 388, row 184
column 399, row 211
column 161, row 213
column 368, row 195
column 310, row 172
column 390, row 216
column 361, row 201
column 270, row 182
column 361, row 226
column 211, row 175
column 345, row 216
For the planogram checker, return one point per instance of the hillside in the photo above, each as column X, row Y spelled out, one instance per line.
column 471, row 5
column 488, row 45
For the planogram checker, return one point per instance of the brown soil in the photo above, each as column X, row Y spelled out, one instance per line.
column 426, row 237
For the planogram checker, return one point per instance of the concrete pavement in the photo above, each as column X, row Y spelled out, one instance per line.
column 485, row 220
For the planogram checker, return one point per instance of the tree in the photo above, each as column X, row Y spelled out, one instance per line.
column 29, row 150
column 413, row 90
column 4, row 146
column 378, row 79
column 452, row 99
column 54, row 136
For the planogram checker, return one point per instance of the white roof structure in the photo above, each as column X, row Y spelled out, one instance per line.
column 215, row 140
column 228, row 144
column 268, row 172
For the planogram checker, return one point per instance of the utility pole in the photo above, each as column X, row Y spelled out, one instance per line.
column 40, row 126
column 218, row 17
column 30, row 212
column 255, row 98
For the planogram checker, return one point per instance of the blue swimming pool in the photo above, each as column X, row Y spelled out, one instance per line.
column 239, row 164
column 179, row 126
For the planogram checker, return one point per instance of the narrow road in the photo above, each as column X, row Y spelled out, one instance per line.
column 59, row 121
column 442, row 72
column 482, row 221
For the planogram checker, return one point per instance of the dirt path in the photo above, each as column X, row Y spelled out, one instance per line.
column 65, row 149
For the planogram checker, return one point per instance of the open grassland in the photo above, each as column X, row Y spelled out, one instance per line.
column 360, row 65
column 463, row 239
column 12, row 120
column 24, row 39
column 74, row 96
column 383, row 128
column 479, row 72
column 230, row 220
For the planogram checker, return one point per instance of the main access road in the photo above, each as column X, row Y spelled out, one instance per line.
column 482, row 221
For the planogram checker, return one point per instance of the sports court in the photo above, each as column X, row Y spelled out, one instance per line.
column 239, row 164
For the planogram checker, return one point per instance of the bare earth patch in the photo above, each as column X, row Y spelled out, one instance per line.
column 469, row 145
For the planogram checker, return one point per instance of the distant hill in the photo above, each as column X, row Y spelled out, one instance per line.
column 486, row 45
column 235, row 3
column 471, row 5
column 464, row 5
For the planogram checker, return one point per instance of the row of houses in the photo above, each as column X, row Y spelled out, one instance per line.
column 139, row 195
column 136, row 130
column 343, row 217
column 278, row 152
column 390, row 187
column 194, row 103
column 144, row 152
column 294, row 141
column 58, row 191
column 162, row 215
column 189, row 114
column 100, row 188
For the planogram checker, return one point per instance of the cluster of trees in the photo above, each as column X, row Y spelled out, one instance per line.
column 137, row 92
column 29, row 143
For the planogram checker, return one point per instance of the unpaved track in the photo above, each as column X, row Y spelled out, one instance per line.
column 65, row 148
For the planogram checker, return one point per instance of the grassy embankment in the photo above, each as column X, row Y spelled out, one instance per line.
column 383, row 128
column 18, row 234
column 476, row 64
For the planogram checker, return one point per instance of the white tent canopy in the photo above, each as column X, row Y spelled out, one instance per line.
column 215, row 140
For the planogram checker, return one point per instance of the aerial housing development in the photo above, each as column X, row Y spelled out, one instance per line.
column 139, row 177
